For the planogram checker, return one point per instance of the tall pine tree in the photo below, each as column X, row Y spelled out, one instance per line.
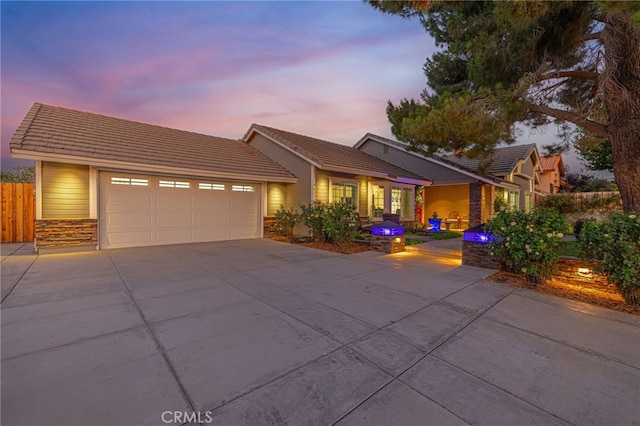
column 532, row 62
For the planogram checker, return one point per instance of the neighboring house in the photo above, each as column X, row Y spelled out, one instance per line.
column 551, row 177
column 104, row 182
column 516, row 164
column 330, row 172
column 459, row 193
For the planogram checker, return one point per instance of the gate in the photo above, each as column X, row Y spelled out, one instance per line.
column 18, row 212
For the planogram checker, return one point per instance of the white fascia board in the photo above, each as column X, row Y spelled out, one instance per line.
column 379, row 175
column 280, row 144
column 414, row 181
column 354, row 171
column 146, row 168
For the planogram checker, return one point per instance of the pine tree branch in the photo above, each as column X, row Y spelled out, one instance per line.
column 592, row 36
column 590, row 125
column 586, row 75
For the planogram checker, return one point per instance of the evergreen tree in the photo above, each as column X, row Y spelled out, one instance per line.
column 531, row 62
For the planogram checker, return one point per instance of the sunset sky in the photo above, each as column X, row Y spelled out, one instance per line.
column 321, row 68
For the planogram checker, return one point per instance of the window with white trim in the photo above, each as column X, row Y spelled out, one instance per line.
column 401, row 201
column 243, row 188
column 344, row 192
column 117, row 180
column 211, row 186
column 173, row 184
column 377, row 201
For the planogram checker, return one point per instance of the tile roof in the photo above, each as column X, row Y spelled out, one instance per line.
column 330, row 155
column 54, row 131
column 550, row 163
column 435, row 159
column 503, row 160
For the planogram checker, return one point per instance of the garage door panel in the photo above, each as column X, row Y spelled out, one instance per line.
column 170, row 202
column 130, row 239
column 213, row 200
column 127, row 219
column 209, row 219
column 173, row 236
column 211, row 234
column 148, row 215
column 131, row 201
column 172, row 218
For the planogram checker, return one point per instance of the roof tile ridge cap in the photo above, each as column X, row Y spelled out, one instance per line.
column 25, row 125
column 274, row 133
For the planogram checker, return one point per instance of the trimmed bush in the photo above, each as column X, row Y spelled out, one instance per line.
column 312, row 216
column 527, row 243
column 615, row 246
column 341, row 223
column 286, row 220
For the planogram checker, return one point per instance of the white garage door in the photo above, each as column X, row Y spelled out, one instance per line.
column 141, row 210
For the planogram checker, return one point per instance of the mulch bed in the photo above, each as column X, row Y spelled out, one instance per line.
column 596, row 294
column 352, row 248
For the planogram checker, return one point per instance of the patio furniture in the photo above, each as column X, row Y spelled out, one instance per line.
column 453, row 217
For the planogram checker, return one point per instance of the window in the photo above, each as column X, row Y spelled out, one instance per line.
column 173, row 184
column 528, row 202
column 129, row 181
column 242, row 188
column 377, row 201
column 344, row 192
column 514, row 200
column 401, row 201
column 211, row 186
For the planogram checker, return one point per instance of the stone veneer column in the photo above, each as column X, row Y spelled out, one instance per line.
column 475, row 204
column 66, row 234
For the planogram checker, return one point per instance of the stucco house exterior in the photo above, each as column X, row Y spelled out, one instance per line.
column 457, row 185
column 329, row 172
column 104, row 182
column 551, row 177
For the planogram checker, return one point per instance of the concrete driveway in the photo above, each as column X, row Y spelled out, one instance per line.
column 262, row 332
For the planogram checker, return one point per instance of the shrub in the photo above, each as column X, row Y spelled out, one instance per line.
column 341, row 223
column 577, row 227
column 527, row 243
column 615, row 245
column 312, row 215
column 562, row 203
column 286, row 220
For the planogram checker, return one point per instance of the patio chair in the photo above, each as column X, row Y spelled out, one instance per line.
column 452, row 217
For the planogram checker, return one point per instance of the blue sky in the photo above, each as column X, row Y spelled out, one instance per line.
column 325, row 68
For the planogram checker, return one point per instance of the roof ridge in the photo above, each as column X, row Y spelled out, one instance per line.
column 274, row 133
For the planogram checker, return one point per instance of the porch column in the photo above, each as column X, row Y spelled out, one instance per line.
column 475, row 203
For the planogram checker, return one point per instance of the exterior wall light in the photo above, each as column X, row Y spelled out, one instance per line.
column 584, row 273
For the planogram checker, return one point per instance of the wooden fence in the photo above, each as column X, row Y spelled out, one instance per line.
column 18, row 212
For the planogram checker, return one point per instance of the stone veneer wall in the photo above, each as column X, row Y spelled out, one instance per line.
column 387, row 244
column 269, row 225
column 66, row 233
column 475, row 204
column 477, row 254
